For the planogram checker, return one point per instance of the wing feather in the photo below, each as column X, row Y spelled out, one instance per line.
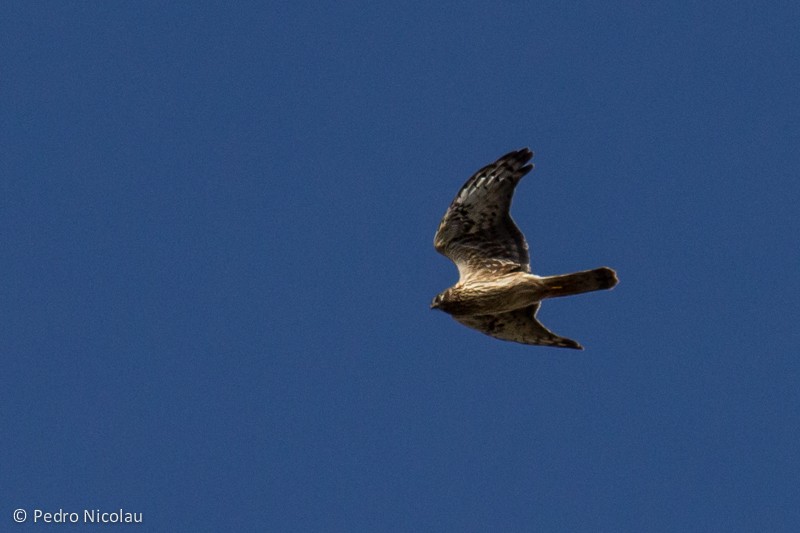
column 517, row 326
column 477, row 232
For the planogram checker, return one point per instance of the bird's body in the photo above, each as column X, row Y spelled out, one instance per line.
column 497, row 294
column 481, row 297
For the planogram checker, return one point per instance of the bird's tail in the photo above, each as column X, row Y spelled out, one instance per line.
column 579, row 282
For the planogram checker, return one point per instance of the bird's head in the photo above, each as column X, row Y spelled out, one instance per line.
column 437, row 301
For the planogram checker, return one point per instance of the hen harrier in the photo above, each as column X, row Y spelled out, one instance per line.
column 496, row 292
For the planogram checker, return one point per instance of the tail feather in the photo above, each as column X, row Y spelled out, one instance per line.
column 579, row 282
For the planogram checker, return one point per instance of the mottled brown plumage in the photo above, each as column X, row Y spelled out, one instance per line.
column 496, row 293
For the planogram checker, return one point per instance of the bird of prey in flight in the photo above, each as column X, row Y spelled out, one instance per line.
column 496, row 292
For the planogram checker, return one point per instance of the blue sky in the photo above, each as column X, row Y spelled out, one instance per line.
column 217, row 226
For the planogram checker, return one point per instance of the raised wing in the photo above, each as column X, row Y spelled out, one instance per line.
column 517, row 326
column 477, row 232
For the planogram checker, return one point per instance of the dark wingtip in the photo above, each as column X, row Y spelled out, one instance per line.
column 562, row 342
column 518, row 160
column 521, row 156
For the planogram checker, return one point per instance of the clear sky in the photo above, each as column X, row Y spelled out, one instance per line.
column 217, row 262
